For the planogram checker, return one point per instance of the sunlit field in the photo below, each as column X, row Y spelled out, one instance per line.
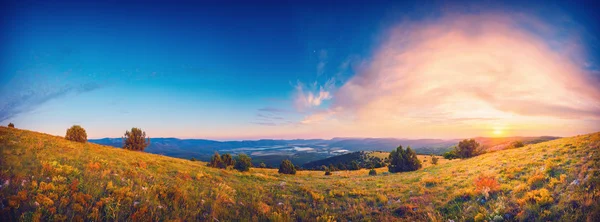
column 46, row 178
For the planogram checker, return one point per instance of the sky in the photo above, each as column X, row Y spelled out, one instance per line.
column 300, row 69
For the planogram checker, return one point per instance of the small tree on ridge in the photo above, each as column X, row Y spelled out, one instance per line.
column 76, row 133
column 135, row 140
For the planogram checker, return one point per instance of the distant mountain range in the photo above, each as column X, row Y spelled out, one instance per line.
column 302, row 151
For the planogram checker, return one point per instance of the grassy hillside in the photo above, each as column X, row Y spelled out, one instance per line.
column 45, row 177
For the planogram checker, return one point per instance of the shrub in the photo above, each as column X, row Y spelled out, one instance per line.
column 403, row 160
column 135, row 140
column 541, row 197
column 327, row 172
column 227, row 160
column 537, row 180
column 372, row 172
column 467, row 148
column 11, row 125
column 486, row 185
column 243, row 163
column 450, row 154
column 434, row 160
column 76, row 133
column 193, row 159
column 287, row 167
column 262, row 165
column 516, row 144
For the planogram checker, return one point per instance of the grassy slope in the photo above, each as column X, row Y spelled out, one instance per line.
column 48, row 178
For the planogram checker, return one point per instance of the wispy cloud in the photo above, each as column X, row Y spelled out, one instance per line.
column 15, row 102
column 307, row 97
column 322, row 62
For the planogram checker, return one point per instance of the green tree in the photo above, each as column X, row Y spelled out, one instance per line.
column 287, row 167
column 467, row 148
column 135, row 140
column 216, row 161
column 227, row 160
column 403, row 160
column 243, row 162
column 11, row 125
column 76, row 133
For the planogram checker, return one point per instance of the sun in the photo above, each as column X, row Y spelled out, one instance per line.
column 497, row 131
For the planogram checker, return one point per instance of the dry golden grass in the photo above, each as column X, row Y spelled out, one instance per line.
column 46, row 177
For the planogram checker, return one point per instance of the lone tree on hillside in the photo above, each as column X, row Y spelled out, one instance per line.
column 287, row 167
column 403, row 160
column 11, row 125
column 434, row 159
column 467, row 148
column 76, row 133
column 216, row 161
column 243, row 163
column 135, row 140
column 227, row 160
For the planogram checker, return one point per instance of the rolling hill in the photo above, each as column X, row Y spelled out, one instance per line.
column 302, row 151
column 46, row 177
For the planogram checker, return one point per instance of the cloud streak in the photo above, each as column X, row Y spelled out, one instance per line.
column 14, row 104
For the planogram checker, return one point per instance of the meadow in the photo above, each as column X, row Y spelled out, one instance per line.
column 45, row 177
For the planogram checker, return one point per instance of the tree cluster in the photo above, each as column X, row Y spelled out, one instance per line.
column 403, row 160
column 218, row 161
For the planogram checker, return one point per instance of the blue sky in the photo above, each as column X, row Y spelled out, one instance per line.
column 212, row 70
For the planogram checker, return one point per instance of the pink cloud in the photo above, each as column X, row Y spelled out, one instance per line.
column 458, row 68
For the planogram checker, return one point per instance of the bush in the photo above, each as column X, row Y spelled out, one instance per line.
column 11, row 125
column 467, row 148
column 227, row 160
column 135, row 140
column 262, row 165
column 243, row 163
column 76, row 133
column 450, row 155
column 287, row 167
column 403, row 160
column 516, row 144
column 434, row 160
column 193, row 159
column 327, row 172
column 486, row 185
column 372, row 172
